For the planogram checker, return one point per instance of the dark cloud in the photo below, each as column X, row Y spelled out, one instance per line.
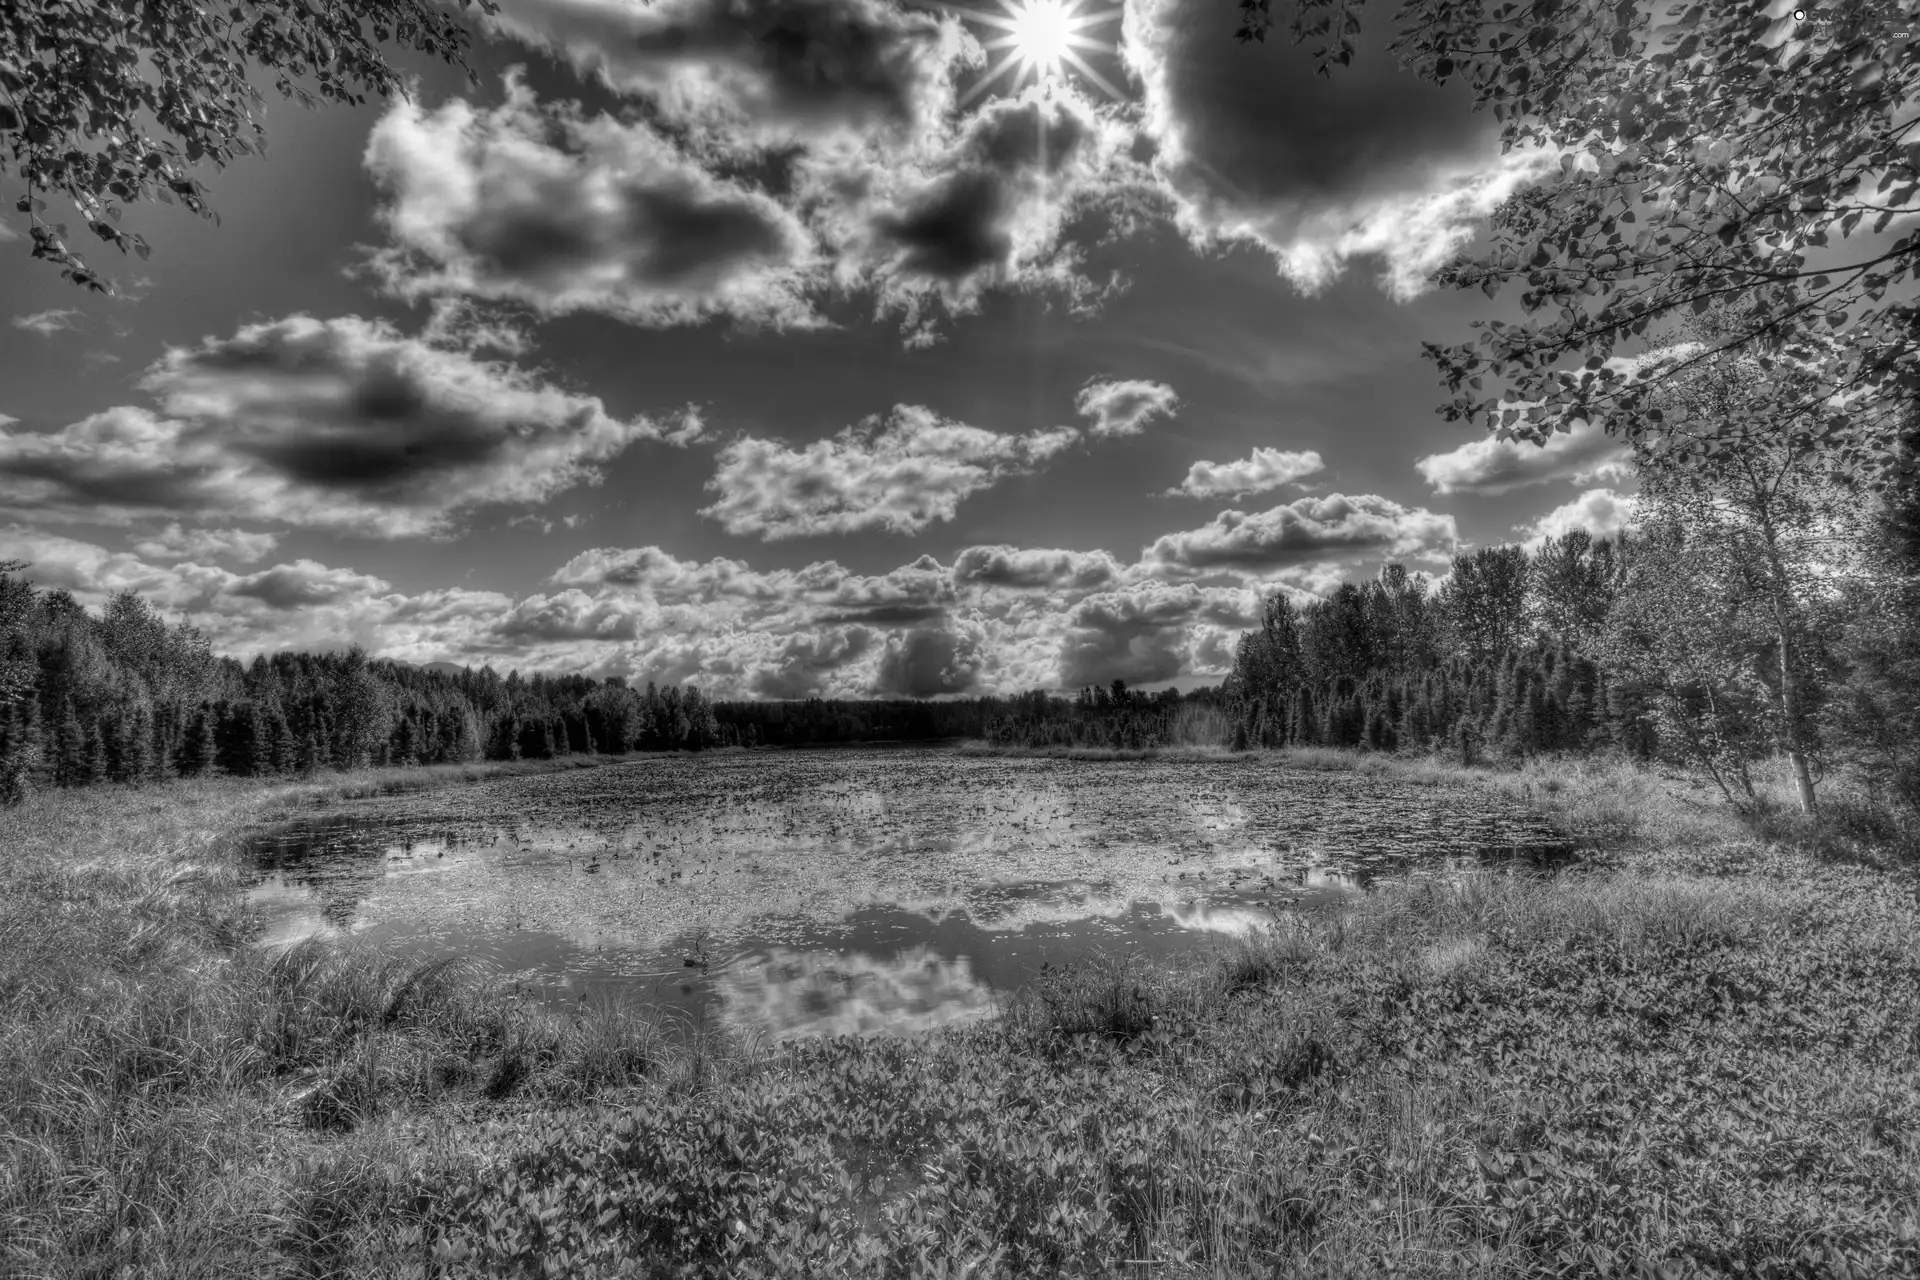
column 800, row 665
column 929, row 661
column 305, row 584
column 1254, row 146
column 1137, row 636
column 340, row 423
column 536, row 204
column 954, row 231
column 776, row 67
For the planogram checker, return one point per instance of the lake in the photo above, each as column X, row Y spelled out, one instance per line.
column 858, row 889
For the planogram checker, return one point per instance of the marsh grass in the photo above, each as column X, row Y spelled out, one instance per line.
column 1695, row 1055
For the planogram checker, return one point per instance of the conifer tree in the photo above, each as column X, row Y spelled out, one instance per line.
column 69, row 746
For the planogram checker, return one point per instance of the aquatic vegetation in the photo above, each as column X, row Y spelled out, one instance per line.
column 1695, row 1060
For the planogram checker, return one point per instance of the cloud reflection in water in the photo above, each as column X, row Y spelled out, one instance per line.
column 791, row 993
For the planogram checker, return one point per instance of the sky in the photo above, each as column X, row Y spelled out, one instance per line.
column 797, row 348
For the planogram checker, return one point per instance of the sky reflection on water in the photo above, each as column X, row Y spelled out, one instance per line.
column 856, row 890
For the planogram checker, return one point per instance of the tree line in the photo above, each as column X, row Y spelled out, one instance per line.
column 124, row 696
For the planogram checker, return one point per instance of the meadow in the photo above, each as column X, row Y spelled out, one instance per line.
column 1692, row 1055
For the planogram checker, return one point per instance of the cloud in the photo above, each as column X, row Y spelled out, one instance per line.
column 896, row 475
column 1601, row 512
column 175, row 543
column 710, row 202
column 1491, row 465
column 46, row 323
column 768, row 71
column 1308, row 529
column 993, row 204
column 305, row 584
column 1124, row 408
column 541, row 205
column 1028, row 569
column 1253, row 148
column 932, row 660
column 336, row 423
column 1260, row 471
column 567, row 615
column 1148, row 632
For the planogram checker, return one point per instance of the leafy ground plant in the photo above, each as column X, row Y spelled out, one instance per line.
column 1695, row 1058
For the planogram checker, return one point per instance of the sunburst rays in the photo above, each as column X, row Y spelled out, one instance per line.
column 1042, row 37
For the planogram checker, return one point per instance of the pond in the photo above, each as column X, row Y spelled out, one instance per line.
column 858, row 889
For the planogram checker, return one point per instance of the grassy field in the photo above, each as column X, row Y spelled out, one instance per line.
column 1696, row 1057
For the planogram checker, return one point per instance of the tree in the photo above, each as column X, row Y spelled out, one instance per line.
column 77, row 72
column 1485, row 601
column 199, row 750
column 1266, row 664
column 1699, row 159
column 1764, row 532
column 1573, row 583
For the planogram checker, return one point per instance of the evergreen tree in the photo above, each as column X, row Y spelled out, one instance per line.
column 94, row 766
column 69, row 746
column 199, row 750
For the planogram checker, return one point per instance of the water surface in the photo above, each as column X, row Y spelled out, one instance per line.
column 857, row 889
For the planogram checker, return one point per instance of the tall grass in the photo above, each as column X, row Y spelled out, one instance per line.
column 1698, row 1056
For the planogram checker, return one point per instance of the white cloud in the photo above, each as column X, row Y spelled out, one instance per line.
column 1601, row 512
column 1490, row 465
column 1032, row 569
column 1260, row 471
column 47, row 323
column 176, row 543
column 1124, row 408
column 896, row 475
column 1305, row 530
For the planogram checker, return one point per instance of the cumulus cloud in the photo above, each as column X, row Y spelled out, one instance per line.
column 542, row 205
column 932, row 660
column 990, row 204
column 1392, row 169
column 770, row 71
column 1601, row 512
column 787, row 153
column 340, row 423
column 1032, row 569
column 47, row 323
column 1308, row 529
column 1124, row 408
column 176, row 543
column 1147, row 632
column 305, row 584
column 896, row 475
column 1491, row 465
column 1258, row 472
column 566, row 615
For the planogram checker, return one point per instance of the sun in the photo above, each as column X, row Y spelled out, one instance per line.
column 1043, row 37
